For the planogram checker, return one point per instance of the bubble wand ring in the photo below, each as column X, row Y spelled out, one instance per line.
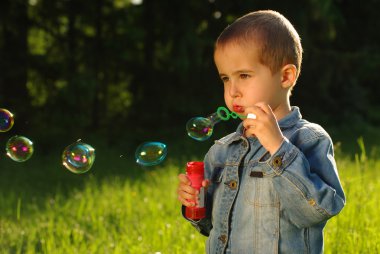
column 224, row 114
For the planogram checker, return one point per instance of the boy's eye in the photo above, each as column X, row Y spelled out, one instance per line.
column 244, row 76
column 224, row 79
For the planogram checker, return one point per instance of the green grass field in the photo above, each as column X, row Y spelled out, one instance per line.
column 119, row 207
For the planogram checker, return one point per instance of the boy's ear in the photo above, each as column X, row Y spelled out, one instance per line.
column 288, row 75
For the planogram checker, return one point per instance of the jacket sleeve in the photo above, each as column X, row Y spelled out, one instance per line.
column 307, row 181
column 204, row 225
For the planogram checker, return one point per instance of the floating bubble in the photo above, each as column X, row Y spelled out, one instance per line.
column 19, row 148
column 6, row 120
column 199, row 128
column 78, row 157
column 151, row 153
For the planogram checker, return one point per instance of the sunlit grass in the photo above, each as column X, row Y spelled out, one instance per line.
column 356, row 228
column 135, row 210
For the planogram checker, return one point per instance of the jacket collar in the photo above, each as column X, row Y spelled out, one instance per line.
column 290, row 119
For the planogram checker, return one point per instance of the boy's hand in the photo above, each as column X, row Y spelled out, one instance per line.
column 188, row 195
column 264, row 127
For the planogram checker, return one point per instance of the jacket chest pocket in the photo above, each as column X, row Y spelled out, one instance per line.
column 258, row 189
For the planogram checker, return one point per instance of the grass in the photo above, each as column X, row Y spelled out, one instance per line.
column 356, row 228
column 118, row 207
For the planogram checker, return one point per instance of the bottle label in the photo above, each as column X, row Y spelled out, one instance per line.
column 201, row 196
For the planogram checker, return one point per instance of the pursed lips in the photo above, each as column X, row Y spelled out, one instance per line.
column 238, row 109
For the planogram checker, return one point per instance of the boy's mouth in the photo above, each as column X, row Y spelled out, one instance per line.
column 238, row 109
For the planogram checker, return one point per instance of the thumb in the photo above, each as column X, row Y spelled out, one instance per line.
column 205, row 183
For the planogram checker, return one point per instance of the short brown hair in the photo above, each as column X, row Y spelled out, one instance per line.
column 279, row 42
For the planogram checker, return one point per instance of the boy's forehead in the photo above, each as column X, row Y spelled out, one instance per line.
column 236, row 50
column 235, row 58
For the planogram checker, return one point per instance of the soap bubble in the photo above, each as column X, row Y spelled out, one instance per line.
column 19, row 148
column 6, row 120
column 150, row 153
column 199, row 128
column 78, row 157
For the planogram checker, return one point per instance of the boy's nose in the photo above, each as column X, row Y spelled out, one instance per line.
column 233, row 90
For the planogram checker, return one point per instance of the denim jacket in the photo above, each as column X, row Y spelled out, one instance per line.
column 258, row 203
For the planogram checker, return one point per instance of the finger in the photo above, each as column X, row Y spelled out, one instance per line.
column 185, row 202
column 255, row 110
column 268, row 111
column 184, row 179
column 187, row 192
column 187, row 189
column 250, row 132
column 265, row 107
column 205, row 183
column 187, row 196
column 249, row 123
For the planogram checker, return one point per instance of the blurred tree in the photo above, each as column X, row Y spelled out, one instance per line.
column 13, row 54
column 118, row 66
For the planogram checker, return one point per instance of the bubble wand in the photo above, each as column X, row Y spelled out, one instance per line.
column 201, row 128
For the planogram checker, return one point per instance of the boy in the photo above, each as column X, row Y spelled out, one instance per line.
column 272, row 184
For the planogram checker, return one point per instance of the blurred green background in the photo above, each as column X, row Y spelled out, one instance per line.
column 123, row 71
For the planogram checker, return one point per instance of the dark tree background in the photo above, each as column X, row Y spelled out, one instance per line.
column 121, row 68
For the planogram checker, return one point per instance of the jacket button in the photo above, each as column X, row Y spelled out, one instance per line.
column 277, row 161
column 223, row 238
column 312, row 202
column 232, row 185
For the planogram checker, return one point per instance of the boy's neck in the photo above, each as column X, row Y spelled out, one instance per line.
column 282, row 110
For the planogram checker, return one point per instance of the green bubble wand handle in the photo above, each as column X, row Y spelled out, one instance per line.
column 225, row 115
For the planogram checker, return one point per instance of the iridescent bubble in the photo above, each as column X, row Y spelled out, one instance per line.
column 78, row 157
column 150, row 153
column 6, row 120
column 199, row 128
column 19, row 148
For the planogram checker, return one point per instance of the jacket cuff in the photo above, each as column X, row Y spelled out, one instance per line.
column 204, row 225
column 282, row 157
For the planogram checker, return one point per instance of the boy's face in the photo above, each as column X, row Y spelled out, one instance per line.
column 247, row 81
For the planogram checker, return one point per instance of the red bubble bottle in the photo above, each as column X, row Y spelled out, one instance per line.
column 195, row 173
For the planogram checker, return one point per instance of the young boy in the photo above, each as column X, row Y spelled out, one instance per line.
column 272, row 184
